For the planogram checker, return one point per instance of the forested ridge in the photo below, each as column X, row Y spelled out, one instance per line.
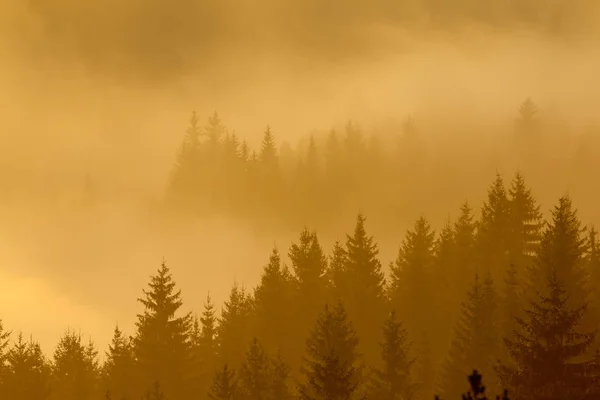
column 499, row 288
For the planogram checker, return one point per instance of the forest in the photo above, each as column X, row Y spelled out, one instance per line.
column 500, row 289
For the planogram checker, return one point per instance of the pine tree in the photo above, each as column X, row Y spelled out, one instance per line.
column 268, row 151
column 234, row 329
column 592, row 267
column 545, row 347
column 510, row 308
column 118, row 371
column 4, row 338
column 280, row 373
column 364, row 295
column 214, row 131
column 161, row 344
column 562, row 252
column 445, row 282
column 309, row 267
column 411, row 286
column 272, row 305
column 526, row 121
column 184, row 177
column 393, row 381
column 331, row 367
column 494, row 230
column 255, row 374
column 207, row 346
column 465, row 245
column 525, row 222
column 74, row 369
column 336, row 274
column 475, row 341
column 224, row 386
column 28, row 372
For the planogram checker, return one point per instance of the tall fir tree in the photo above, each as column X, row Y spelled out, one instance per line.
column 279, row 380
column 161, row 345
column 214, row 131
column 29, row 372
column 494, row 230
column 393, row 381
column 525, row 225
column 413, row 292
column 476, row 340
column 207, row 346
column 118, row 371
column 4, row 342
column 184, row 180
column 562, row 252
column 309, row 267
column 255, row 374
column 411, row 283
column 273, row 306
column 364, row 288
column 74, row 370
column 332, row 369
column 510, row 308
column 336, row 275
column 592, row 266
column 545, row 349
column 225, row 385
column 465, row 230
column 235, row 326
column 268, row 150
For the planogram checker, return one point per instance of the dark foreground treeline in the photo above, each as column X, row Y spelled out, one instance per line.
column 513, row 296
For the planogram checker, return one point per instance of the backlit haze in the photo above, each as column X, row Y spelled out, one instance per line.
column 104, row 90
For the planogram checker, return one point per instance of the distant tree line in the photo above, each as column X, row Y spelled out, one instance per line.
column 329, row 175
column 509, row 294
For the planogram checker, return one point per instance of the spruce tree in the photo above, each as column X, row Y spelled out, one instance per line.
column 336, row 275
column 268, row 151
column 364, row 294
column 207, row 346
column 272, row 305
column 545, row 348
column 393, row 381
column 494, row 231
column 4, row 342
column 234, row 326
column 184, row 179
column 118, row 371
column 309, row 267
column 224, row 386
column 465, row 229
column 28, row 372
column 331, row 368
column 214, row 131
column 413, row 292
column 527, row 118
column 476, row 340
column 255, row 374
column 161, row 344
column 525, row 225
column 280, row 374
column 592, row 266
column 411, row 284
column 562, row 252
column 511, row 307
column 74, row 370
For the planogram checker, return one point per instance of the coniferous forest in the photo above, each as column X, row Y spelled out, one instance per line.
column 499, row 289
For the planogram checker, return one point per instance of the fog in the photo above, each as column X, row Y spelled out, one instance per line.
column 106, row 89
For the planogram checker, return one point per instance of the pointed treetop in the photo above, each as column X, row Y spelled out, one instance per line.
column 268, row 151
